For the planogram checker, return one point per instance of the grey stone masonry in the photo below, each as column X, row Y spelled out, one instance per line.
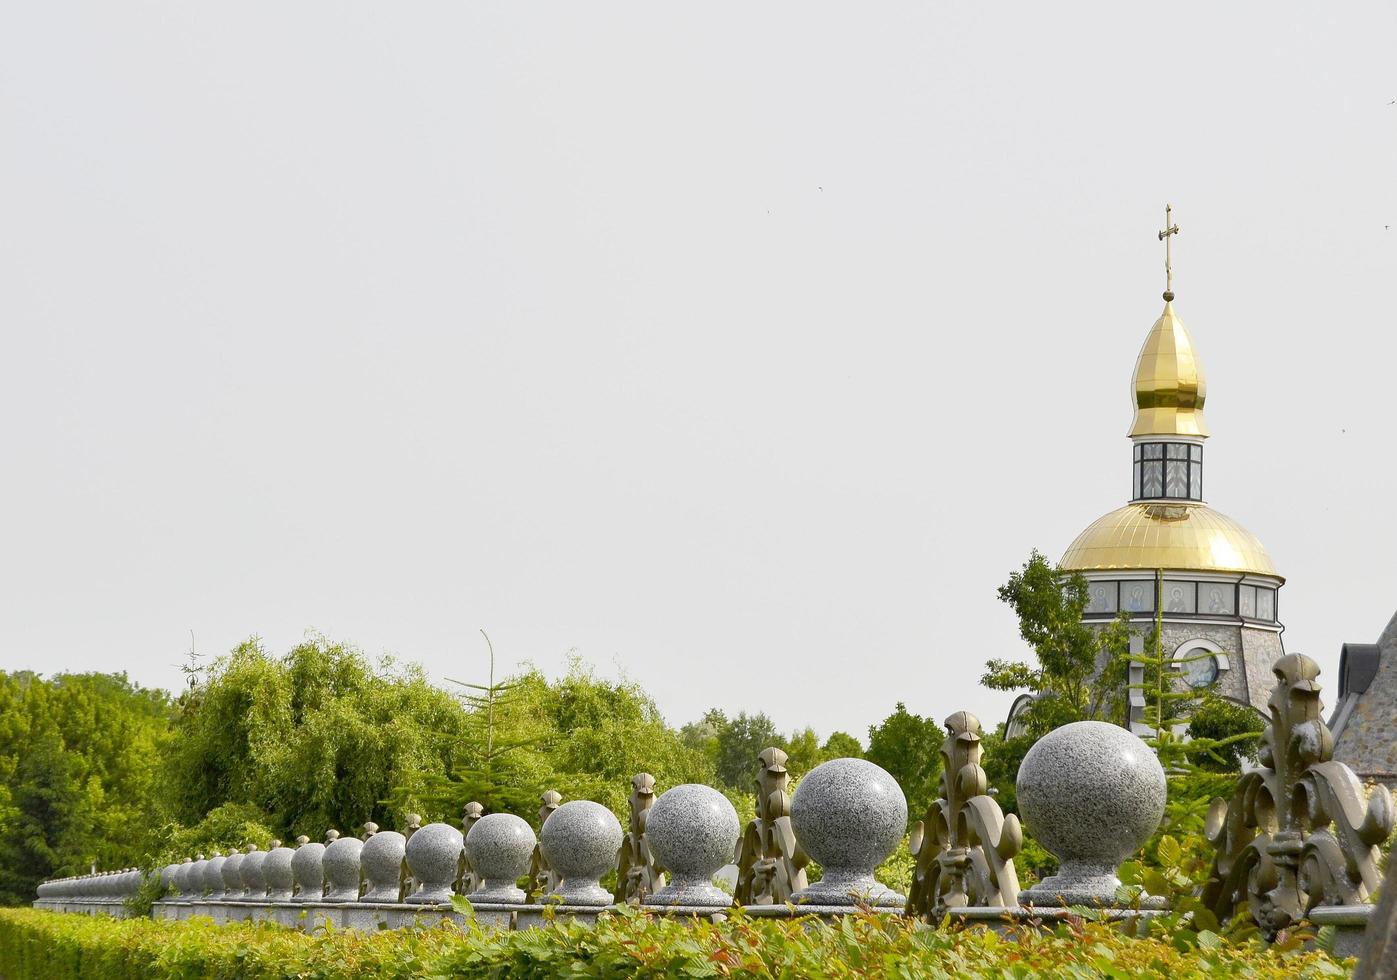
column 1364, row 721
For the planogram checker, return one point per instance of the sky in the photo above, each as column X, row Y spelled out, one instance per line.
column 741, row 349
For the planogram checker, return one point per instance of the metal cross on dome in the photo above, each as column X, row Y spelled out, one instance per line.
column 1170, row 230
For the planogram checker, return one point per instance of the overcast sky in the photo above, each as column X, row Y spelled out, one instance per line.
column 743, row 348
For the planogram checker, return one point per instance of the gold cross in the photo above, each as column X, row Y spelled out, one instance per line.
column 1170, row 229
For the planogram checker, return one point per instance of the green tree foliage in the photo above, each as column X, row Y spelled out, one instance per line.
column 227, row 828
column 1193, row 729
column 1080, row 674
column 78, row 769
column 313, row 740
column 740, row 741
column 580, row 734
column 909, row 747
column 1229, row 731
column 841, row 745
column 804, row 751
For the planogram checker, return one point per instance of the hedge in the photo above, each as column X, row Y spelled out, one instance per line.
column 54, row 946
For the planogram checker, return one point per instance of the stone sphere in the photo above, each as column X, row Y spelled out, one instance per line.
column 213, row 877
column 849, row 815
column 580, row 839
column 341, row 865
column 254, row 885
column 276, row 869
column 231, row 873
column 692, row 830
column 382, row 862
column 310, row 874
column 432, row 853
column 1092, row 794
column 499, row 848
column 179, row 878
column 194, row 878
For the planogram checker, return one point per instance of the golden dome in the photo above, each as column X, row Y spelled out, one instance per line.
column 1175, row 536
column 1169, row 383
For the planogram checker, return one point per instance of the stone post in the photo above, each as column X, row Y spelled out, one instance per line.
column 579, row 842
column 1092, row 794
column 693, row 830
column 431, row 856
column 849, row 815
column 382, row 862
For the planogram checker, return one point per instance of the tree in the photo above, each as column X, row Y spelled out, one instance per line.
column 803, row 752
column 1225, row 731
column 78, row 767
column 908, row 746
column 489, row 775
column 580, row 734
column 1081, row 671
column 315, row 739
column 739, row 743
column 841, row 745
column 703, row 734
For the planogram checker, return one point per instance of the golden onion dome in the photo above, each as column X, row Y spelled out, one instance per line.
column 1173, row 536
column 1169, row 385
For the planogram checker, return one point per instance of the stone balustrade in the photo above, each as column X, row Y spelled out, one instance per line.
column 1091, row 793
column 103, row 893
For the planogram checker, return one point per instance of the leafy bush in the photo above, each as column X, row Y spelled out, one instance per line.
column 51, row 945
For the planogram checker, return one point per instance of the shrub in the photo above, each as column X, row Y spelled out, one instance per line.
column 56, row 947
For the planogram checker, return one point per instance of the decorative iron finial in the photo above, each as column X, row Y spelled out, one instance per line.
column 467, row 881
column 543, row 880
column 637, row 875
column 770, row 861
column 1166, row 236
column 1301, row 831
column 965, row 845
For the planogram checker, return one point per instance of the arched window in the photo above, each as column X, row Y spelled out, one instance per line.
column 1200, row 662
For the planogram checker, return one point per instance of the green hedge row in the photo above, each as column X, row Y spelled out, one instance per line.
column 54, row 946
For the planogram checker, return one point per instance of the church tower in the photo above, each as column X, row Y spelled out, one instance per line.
column 1211, row 579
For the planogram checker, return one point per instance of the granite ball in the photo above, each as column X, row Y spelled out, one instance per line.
column 309, row 871
column 196, row 876
column 341, row 865
column 180, row 878
column 849, row 815
column 1092, row 794
column 213, row 878
column 499, row 847
column 276, row 869
column 382, row 863
column 432, row 853
column 692, row 830
column 580, row 839
column 232, row 876
column 254, row 885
